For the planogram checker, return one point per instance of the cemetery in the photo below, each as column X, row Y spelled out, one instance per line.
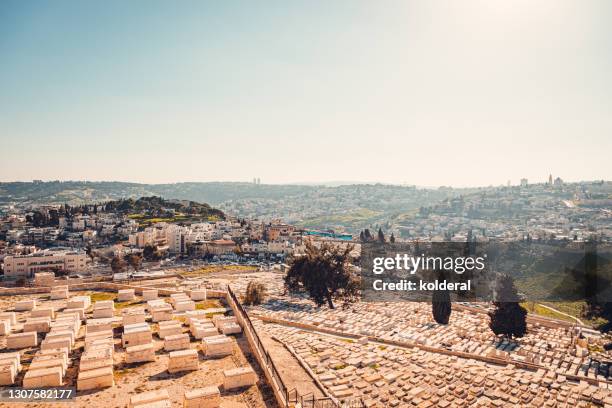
column 395, row 376
column 383, row 354
column 80, row 339
column 553, row 346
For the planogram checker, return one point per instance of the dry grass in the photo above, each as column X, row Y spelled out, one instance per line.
column 123, row 305
column 204, row 270
column 96, row 296
column 208, row 304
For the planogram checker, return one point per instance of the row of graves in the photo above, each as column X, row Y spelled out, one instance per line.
column 97, row 359
column 389, row 376
column 49, row 334
column 204, row 397
column 175, row 322
column 562, row 348
column 167, row 321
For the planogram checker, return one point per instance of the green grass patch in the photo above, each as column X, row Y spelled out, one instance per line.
column 542, row 311
column 575, row 309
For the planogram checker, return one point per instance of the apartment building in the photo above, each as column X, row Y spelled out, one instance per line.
column 220, row 247
column 273, row 232
column 149, row 236
column 48, row 260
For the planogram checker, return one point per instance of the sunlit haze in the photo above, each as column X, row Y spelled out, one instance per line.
column 427, row 93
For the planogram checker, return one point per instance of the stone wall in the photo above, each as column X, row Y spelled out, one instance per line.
column 98, row 284
column 277, row 389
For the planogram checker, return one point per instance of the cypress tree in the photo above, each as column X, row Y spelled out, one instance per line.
column 508, row 318
column 381, row 236
column 441, row 306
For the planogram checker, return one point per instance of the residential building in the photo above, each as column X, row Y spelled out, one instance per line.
column 48, row 260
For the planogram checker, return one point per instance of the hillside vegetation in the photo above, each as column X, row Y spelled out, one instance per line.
column 156, row 209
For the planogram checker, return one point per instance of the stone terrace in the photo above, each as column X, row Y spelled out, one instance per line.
column 388, row 376
column 411, row 323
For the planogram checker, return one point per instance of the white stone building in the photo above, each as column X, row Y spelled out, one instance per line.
column 48, row 260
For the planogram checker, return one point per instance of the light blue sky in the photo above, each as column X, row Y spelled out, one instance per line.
column 424, row 92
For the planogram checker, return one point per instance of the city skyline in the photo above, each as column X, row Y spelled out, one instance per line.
column 420, row 93
column 327, row 183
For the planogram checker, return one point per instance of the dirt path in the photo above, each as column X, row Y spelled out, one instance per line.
column 562, row 313
column 293, row 374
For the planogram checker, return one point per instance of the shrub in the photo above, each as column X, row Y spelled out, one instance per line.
column 255, row 293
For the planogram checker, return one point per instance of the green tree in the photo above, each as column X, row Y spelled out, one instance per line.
column 117, row 264
column 135, row 261
column 150, row 253
column 89, row 252
column 441, row 305
column 381, row 236
column 324, row 273
column 508, row 318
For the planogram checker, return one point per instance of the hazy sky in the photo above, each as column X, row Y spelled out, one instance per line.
column 423, row 92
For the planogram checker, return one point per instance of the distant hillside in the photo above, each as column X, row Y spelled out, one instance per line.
column 79, row 192
column 145, row 210
column 345, row 208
